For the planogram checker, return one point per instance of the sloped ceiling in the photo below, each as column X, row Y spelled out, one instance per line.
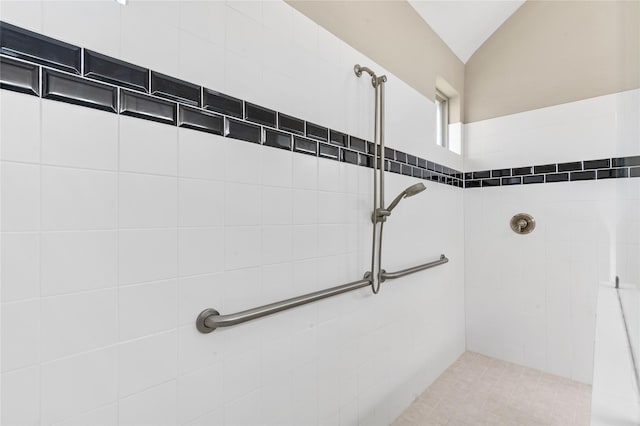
column 465, row 25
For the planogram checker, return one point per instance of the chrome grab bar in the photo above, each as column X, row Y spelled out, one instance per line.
column 210, row 319
column 393, row 275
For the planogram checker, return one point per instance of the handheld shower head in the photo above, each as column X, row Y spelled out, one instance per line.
column 409, row 192
column 380, row 215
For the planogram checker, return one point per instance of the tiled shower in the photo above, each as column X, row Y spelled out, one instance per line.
column 160, row 158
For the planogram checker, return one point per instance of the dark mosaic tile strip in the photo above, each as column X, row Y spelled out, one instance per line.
column 115, row 71
column 196, row 119
column 221, row 103
column 290, row 124
column 634, row 172
column 349, row 156
column 612, row 173
column 147, row 107
column 149, row 95
column 175, row 89
column 19, row 76
column 317, row 132
column 329, row 151
column 243, row 131
column 260, row 115
column 338, row 138
column 21, row 43
column 305, row 146
column 76, row 90
column 277, row 139
column 626, row 161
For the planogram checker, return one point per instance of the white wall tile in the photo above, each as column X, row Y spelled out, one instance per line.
column 329, row 176
column 77, row 136
column 20, row 334
column 72, row 320
column 137, row 304
column 276, row 206
column 276, row 167
column 146, row 201
column 25, row 14
column 69, row 384
column 147, row 255
column 148, row 147
column 21, row 397
column 202, row 251
column 20, row 192
column 241, row 375
column 20, row 266
column 201, row 203
column 305, row 207
column 74, row 199
column 243, row 246
column 153, row 407
column 150, row 36
column 247, row 154
column 201, row 155
column 305, row 171
column 204, row 19
column 19, row 125
column 78, row 261
column 197, row 293
column 242, row 411
column 197, row 394
column 97, row 24
column 305, row 241
column 242, row 204
column 147, row 362
column 103, row 416
column 201, row 61
column 276, row 244
column 250, row 9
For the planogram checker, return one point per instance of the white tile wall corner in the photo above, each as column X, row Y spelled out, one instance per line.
column 132, row 227
column 532, row 299
column 601, row 127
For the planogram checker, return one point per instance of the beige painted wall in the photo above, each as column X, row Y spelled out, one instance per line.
column 553, row 52
column 413, row 52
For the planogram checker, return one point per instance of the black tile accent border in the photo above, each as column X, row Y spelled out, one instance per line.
column 612, row 173
column 147, row 107
column 76, row 90
column 24, row 44
column 358, row 144
column 349, row 156
column 290, row 124
column 260, row 115
column 192, row 118
column 557, row 177
column 532, row 179
column 19, row 76
column 277, row 139
column 305, row 146
column 174, row 89
column 586, row 175
column 547, row 168
column 626, row 161
column 115, row 71
column 26, row 58
column 338, row 138
column 329, row 151
column 221, row 103
column 317, row 132
column 243, row 131
column 567, row 167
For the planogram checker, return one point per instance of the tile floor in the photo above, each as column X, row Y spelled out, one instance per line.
column 478, row 390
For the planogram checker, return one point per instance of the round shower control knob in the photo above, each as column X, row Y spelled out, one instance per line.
column 523, row 223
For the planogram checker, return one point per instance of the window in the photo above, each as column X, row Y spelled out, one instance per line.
column 442, row 119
